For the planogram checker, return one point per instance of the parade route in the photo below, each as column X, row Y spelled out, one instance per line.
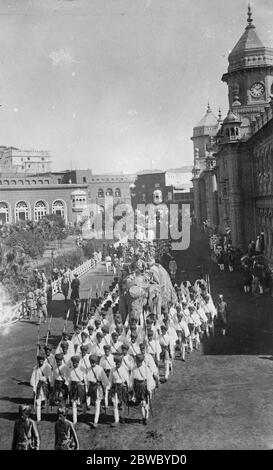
column 220, row 398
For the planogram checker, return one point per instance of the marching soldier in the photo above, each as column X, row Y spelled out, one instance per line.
column 77, row 387
column 143, row 383
column 40, row 382
column 65, row 338
column 153, row 347
column 183, row 334
column 119, row 387
column 116, row 344
column 127, row 359
column 107, row 363
column 66, row 353
column 76, row 339
column 60, row 381
column 165, row 355
column 97, row 346
column 150, row 363
column 134, row 345
column 196, row 329
column 84, row 365
column 97, row 383
column 49, row 357
column 65, row 434
column 85, row 340
column 25, row 432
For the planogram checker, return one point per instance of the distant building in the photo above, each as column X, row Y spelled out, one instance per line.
column 13, row 160
column 149, row 188
column 179, row 178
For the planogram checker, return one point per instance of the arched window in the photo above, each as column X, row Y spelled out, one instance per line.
column 117, row 192
column 27, row 181
column 40, row 210
column 20, row 182
column 4, row 213
column 59, row 208
column 40, row 182
column 22, row 211
column 109, row 192
column 6, row 182
column 100, row 193
column 33, row 182
column 13, row 182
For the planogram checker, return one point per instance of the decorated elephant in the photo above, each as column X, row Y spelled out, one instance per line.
column 152, row 286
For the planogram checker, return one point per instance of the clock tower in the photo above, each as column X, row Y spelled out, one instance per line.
column 249, row 77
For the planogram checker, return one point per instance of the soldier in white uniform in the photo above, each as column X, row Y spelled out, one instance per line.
column 165, row 356
column 97, row 383
column 142, row 383
column 107, row 363
column 77, row 387
column 40, row 381
column 119, row 382
column 60, row 381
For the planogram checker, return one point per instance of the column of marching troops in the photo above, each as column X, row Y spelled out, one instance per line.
column 108, row 362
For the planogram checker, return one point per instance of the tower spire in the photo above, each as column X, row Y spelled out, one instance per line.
column 249, row 17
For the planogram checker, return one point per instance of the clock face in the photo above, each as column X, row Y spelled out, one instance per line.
column 257, row 90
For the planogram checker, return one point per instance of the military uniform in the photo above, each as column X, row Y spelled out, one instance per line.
column 40, row 381
column 97, row 383
column 119, row 387
column 25, row 432
column 65, row 434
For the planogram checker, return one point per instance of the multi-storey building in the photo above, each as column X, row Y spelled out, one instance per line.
column 242, row 148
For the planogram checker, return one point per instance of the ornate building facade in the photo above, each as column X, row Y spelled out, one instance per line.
column 239, row 163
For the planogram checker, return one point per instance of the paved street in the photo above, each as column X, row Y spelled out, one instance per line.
column 220, row 398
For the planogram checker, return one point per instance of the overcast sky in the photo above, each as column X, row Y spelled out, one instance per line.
column 116, row 85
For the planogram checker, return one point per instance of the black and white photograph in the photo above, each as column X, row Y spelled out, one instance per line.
column 136, row 228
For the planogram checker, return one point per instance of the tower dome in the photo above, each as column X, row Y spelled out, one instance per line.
column 249, row 51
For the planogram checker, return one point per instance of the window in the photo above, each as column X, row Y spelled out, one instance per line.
column 84, row 179
column 28, row 158
column 6, row 182
column 59, row 208
column 20, row 182
column 100, row 193
column 4, row 213
column 109, row 192
column 27, row 182
column 22, row 211
column 40, row 182
column 29, row 166
column 59, row 180
column 157, row 185
column 33, row 182
column 117, row 192
column 143, row 197
column 46, row 181
column 40, row 210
